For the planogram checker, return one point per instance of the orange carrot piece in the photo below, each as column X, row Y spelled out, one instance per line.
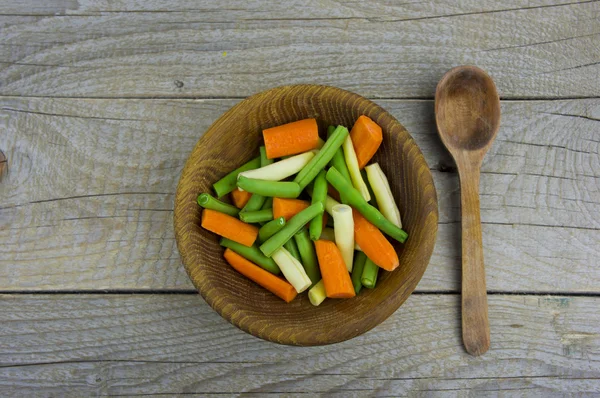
column 291, row 138
column 333, row 270
column 373, row 243
column 272, row 283
column 331, row 191
column 240, row 198
column 366, row 138
column 288, row 208
column 229, row 227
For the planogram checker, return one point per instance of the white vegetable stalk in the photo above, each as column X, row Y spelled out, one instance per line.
column 383, row 194
column 344, row 233
column 327, row 234
column 352, row 163
column 279, row 170
column 317, row 293
column 292, row 270
column 330, row 203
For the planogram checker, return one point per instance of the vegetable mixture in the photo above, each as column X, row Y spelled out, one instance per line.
column 283, row 242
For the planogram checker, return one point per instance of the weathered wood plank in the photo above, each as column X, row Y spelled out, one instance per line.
column 306, row 9
column 146, row 49
column 87, row 200
column 169, row 344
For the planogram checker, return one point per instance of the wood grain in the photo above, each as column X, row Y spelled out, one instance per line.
column 87, row 202
column 232, row 140
column 65, row 48
column 258, row 8
column 3, row 165
column 65, row 345
column 87, row 199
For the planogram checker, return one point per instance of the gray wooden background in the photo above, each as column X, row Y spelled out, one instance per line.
column 101, row 103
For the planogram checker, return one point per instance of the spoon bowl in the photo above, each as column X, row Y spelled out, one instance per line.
column 467, row 113
column 467, row 109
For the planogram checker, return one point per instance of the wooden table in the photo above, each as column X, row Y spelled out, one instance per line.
column 102, row 102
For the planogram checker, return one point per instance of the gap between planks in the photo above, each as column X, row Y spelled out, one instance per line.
column 182, row 292
column 225, row 97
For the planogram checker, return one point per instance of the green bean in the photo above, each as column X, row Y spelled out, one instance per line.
column 356, row 200
column 338, row 161
column 252, row 254
column 373, row 201
column 359, row 265
column 254, row 203
column 308, row 255
column 318, row 196
column 228, row 183
column 268, row 203
column 208, row 202
column 369, row 274
column 320, row 160
column 256, row 216
column 290, row 229
column 270, row 229
column 281, row 189
column 257, row 201
column 264, row 161
column 290, row 246
column 330, row 131
column 329, row 203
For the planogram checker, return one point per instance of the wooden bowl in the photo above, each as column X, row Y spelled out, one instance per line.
column 233, row 140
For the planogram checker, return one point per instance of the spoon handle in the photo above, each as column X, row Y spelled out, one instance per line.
column 475, row 324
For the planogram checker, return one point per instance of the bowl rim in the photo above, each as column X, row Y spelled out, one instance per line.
column 179, row 223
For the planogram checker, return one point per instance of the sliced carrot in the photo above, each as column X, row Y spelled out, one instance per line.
column 240, row 198
column 291, row 138
column 331, row 191
column 229, row 227
column 366, row 138
column 272, row 283
column 373, row 243
column 333, row 270
column 288, row 208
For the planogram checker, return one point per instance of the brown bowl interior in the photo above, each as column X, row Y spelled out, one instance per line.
column 233, row 140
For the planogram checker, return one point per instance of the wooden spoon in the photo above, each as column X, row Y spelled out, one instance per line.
column 467, row 113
